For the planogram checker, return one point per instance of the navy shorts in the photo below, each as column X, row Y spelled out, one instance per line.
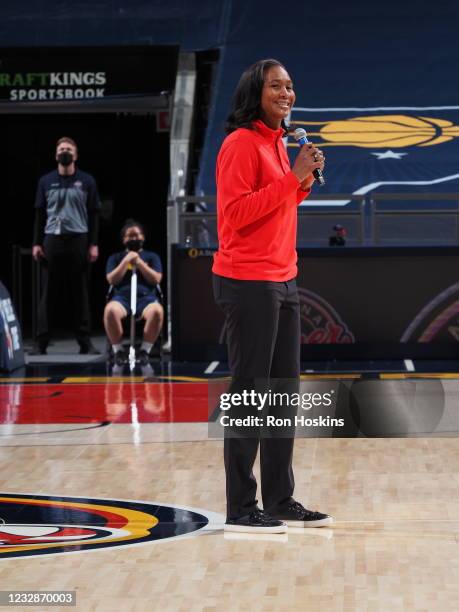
column 142, row 302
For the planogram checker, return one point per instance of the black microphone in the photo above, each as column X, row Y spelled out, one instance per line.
column 302, row 138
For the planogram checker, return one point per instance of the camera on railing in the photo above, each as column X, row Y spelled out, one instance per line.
column 339, row 237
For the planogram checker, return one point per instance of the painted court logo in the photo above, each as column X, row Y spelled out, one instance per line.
column 39, row 524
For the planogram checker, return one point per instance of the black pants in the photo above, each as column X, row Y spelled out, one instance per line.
column 263, row 337
column 65, row 285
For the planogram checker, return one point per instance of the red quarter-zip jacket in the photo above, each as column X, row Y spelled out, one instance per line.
column 257, row 199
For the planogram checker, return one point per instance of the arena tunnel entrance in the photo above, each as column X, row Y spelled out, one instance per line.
column 122, row 137
column 126, row 154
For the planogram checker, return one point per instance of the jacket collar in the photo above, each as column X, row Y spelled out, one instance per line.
column 266, row 131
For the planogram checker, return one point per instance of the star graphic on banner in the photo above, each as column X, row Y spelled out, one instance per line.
column 389, row 155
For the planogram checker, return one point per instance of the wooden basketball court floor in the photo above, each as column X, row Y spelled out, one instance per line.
column 81, row 441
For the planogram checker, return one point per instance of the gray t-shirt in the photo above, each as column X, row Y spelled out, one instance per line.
column 67, row 200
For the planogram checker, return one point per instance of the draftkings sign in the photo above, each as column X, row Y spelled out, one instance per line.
column 33, row 86
column 56, row 75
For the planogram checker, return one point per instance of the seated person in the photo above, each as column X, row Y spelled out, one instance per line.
column 119, row 273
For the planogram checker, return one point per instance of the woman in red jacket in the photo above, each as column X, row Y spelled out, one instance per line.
column 254, row 283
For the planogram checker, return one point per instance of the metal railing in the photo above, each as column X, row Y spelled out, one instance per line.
column 370, row 220
column 417, row 225
column 199, row 228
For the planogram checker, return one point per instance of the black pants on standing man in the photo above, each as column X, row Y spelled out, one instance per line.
column 263, row 337
column 65, row 283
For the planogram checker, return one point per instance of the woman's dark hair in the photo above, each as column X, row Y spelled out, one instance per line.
column 128, row 224
column 246, row 104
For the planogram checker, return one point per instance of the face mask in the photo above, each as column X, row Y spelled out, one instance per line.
column 65, row 158
column 134, row 244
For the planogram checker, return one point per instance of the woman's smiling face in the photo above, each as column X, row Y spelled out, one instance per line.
column 277, row 96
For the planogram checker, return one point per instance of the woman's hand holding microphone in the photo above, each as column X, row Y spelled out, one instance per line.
column 309, row 158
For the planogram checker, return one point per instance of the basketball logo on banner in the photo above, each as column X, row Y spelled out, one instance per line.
column 392, row 149
column 393, row 131
column 320, row 323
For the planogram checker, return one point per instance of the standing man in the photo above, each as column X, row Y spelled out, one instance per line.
column 65, row 239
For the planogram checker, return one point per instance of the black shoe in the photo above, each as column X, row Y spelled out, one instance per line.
column 257, row 521
column 88, row 348
column 144, row 357
column 38, row 349
column 296, row 515
column 120, row 358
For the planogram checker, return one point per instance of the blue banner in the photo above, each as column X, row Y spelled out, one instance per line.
column 406, row 149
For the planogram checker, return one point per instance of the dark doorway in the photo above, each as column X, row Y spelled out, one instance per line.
column 129, row 159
